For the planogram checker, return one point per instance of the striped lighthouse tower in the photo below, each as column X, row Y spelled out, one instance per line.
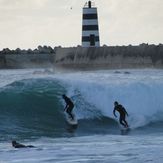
column 90, row 29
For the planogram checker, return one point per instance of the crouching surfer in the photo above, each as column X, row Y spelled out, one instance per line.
column 18, row 145
column 122, row 111
column 69, row 106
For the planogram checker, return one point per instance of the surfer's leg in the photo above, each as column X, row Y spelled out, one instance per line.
column 69, row 110
column 126, row 124
column 71, row 107
column 121, row 122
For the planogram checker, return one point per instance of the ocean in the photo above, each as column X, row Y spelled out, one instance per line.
column 31, row 112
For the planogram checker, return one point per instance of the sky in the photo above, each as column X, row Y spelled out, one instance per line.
column 29, row 23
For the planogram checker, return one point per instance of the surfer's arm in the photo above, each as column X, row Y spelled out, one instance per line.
column 125, row 112
column 65, row 107
column 114, row 112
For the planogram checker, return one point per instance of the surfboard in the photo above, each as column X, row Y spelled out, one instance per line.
column 124, row 128
column 71, row 121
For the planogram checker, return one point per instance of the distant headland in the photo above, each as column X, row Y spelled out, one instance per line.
column 104, row 57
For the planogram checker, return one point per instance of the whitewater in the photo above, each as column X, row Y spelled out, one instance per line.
column 31, row 112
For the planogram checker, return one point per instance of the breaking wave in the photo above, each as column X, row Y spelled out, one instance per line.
column 32, row 108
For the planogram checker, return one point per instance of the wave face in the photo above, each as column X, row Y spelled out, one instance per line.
column 33, row 107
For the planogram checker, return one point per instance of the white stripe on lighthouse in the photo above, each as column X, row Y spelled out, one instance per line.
column 90, row 22
column 87, row 33
column 89, row 10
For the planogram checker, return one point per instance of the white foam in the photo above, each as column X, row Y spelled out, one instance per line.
column 97, row 148
column 139, row 91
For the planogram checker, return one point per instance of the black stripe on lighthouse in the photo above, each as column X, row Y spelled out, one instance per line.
column 87, row 38
column 90, row 16
column 90, row 27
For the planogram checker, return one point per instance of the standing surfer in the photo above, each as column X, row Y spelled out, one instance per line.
column 69, row 106
column 122, row 111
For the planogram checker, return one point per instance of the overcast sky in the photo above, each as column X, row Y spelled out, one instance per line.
column 29, row 23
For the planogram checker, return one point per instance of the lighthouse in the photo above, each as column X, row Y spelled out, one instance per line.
column 90, row 28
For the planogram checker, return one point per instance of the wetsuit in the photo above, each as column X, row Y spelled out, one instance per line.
column 69, row 106
column 18, row 145
column 123, row 113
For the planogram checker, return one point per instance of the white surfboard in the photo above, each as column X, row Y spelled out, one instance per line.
column 71, row 121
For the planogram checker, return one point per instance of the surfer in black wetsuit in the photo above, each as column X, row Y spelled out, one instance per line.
column 18, row 145
column 69, row 106
column 122, row 111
